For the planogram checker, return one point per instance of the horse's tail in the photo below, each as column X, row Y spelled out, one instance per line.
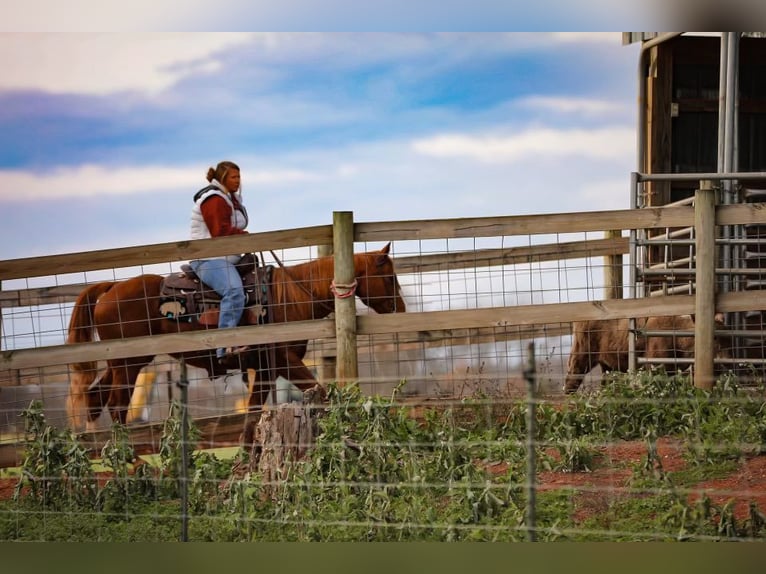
column 83, row 401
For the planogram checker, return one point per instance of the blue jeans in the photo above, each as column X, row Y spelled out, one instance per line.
column 224, row 278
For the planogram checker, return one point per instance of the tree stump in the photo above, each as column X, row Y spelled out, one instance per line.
column 283, row 435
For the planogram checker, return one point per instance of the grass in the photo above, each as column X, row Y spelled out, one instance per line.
column 222, row 453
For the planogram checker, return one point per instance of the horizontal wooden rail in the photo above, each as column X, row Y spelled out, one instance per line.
column 476, row 336
column 555, row 223
column 420, row 323
column 170, row 343
column 163, row 252
column 404, row 265
column 552, row 313
column 511, row 255
column 40, row 295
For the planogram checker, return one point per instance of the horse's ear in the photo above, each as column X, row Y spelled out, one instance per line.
column 382, row 258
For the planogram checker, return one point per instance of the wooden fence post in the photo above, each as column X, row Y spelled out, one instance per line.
column 704, row 302
column 347, row 369
column 613, row 269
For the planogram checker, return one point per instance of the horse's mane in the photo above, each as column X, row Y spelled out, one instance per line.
column 314, row 276
column 292, row 283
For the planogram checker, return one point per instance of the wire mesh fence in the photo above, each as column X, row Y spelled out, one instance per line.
column 433, row 442
column 647, row 458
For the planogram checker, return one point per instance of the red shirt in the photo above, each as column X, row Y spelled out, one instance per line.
column 217, row 214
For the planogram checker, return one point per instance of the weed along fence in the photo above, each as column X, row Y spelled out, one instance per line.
column 446, row 389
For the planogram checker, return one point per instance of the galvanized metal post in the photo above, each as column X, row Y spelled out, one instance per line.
column 632, row 269
column 530, row 374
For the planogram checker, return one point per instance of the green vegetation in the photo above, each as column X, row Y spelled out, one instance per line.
column 458, row 472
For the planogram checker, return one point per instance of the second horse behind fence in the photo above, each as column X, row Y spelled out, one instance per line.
column 604, row 343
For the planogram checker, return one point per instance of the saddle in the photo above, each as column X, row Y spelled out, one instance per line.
column 184, row 297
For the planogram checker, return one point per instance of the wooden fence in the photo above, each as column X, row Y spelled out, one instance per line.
column 17, row 366
column 416, row 326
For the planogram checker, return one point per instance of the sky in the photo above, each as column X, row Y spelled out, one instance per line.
column 106, row 136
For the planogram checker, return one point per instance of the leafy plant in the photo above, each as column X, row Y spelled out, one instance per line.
column 576, row 455
column 171, row 450
column 56, row 468
column 457, row 472
column 127, row 484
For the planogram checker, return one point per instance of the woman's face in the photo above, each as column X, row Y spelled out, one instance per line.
column 231, row 180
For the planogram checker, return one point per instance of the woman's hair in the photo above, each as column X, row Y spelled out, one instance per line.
column 220, row 171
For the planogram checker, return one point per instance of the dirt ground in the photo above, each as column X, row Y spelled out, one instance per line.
column 609, row 479
column 746, row 484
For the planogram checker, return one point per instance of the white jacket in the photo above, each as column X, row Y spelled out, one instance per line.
column 199, row 229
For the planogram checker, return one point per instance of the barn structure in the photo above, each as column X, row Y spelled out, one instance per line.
column 702, row 110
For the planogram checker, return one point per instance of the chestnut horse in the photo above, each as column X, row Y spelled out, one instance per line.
column 130, row 308
column 604, row 343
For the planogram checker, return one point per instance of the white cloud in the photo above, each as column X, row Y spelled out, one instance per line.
column 191, row 15
column 136, row 15
column 585, row 106
column 611, row 194
column 92, row 180
column 107, row 63
column 379, row 180
column 602, row 143
column 276, row 177
column 614, row 38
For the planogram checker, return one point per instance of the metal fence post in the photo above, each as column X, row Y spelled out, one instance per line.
column 530, row 374
column 183, row 384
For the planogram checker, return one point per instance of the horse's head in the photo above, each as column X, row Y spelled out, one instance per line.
column 377, row 285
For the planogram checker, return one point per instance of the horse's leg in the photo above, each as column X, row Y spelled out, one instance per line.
column 124, row 374
column 291, row 366
column 81, row 399
column 262, row 385
column 301, row 376
column 97, row 397
column 580, row 358
column 85, row 401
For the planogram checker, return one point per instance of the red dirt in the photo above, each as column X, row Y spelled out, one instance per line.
column 6, row 488
column 609, row 480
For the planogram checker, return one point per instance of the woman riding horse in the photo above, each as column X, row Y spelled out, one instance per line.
column 130, row 308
